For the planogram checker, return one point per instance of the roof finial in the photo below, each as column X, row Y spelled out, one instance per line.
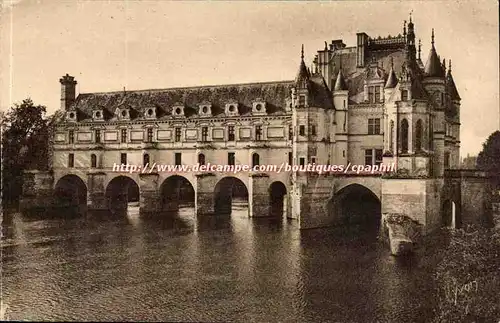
column 449, row 66
column 392, row 62
column 419, row 47
column 302, row 53
column 404, row 29
column 432, row 37
column 410, row 16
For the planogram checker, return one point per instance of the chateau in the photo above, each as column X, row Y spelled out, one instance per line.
column 372, row 103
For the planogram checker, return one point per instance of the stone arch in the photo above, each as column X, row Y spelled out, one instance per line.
column 70, row 191
column 451, row 213
column 176, row 191
column 355, row 204
column 277, row 194
column 228, row 190
column 120, row 191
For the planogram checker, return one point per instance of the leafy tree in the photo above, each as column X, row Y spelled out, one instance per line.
column 25, row 134
column 489, row 158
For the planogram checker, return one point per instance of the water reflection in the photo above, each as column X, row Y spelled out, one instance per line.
column 177, row 267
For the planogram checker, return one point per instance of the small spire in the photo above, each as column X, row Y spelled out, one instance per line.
column 404, row 29
column 392, row 80
column 302, row 53
column 410, row 16
column 449, row 66
column 419, row 47
column 432, row 37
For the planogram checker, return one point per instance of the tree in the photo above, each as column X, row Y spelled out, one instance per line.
column 25, row 135
column 489, row 158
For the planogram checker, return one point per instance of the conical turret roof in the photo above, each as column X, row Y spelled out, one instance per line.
column 450, row 84
column 392, row 80
column 340, row 84
column 433, row 66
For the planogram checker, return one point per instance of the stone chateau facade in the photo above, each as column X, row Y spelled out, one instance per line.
column 375, row 102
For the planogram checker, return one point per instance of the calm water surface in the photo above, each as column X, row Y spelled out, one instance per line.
column 213, row 269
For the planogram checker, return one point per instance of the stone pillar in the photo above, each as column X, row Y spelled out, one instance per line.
column 37, row 191
column 97, row 192
column 204, row 199
column 258, row 195
column 150, row 199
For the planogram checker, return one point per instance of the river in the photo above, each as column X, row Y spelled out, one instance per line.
column 212, row 269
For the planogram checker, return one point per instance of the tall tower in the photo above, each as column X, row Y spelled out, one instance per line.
column 68, row 91
column 340, row 101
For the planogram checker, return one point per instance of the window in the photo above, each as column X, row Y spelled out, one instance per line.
column 302, row 130
column 255, row 159
column 201, row 159
column 71, row 160
column 404, row 95
column 373, row 126
column 377, row 93
column 431, row 134
column 290, row 158
column 302, row 161
column 177, row 135
column 258, row 132
column 302, row 101
column 71, row 136
column 313, row 160
column 149, row 136
column 313, row 130
column 178, row 159
column 93, row 161
column 378, row 156
column 447, row 159
column 391, row 136
column 371, row 94
column 230, row 158
column 230, row 133
column 290, row 132
column 404, row 136
column 343, row 153
column 97, row 136
column 204, row 134
column 368, row 156
column 418, row 135
column 123, row 135
column 145, row 160
column 123, row 158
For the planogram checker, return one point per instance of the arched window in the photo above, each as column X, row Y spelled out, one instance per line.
column 391, row 136
column 145, row 160
column 404, row 136
column 201, row 159
column 418, row 135
column 255, row 159
column 93, row 161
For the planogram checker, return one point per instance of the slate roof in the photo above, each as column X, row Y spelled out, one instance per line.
column 275, row 94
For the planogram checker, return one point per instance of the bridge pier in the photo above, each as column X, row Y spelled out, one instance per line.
column 96, row 196
column 258, row 196
column 204, row 199
column 37, row 189
column 150, row 199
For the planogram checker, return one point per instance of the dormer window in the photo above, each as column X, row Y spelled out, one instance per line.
column 178, row 110
column 374, row 94
column 150, row 113
column 302, row 101
column 205, row 109
column 232, row 108
column 122, row 113
column 71, row 116
column 259, row 107
column 98, row 114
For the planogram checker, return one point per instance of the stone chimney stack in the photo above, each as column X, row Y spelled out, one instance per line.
column 68, row 91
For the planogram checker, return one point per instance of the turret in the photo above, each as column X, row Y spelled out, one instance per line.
column 68, row 91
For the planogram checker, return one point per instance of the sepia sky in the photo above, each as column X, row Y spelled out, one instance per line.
column 108, row 45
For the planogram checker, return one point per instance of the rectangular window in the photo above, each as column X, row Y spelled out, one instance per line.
column 404, row 95
column 313, row 160
column 377, row 94
column 71, row 160
column 302, row 101
column 230, row 159
column 123, row 136
column 230, row 133
column 178, row 159
column 123, row 158
column 302, row 161
column 177, row 135
column 290, row 132
column 71, row 136
column 258, row 132
column 368, row 157
column 149, row 136
column 204, row 134
column 97, row 136
column 302, row 130
column 371, row 94
column 447, row 160
column 378, row 156
column 313, row 130
column 290, row 158
column 373, row 126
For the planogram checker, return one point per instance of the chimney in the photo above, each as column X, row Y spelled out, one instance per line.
column 68, row 87
column 361, row 49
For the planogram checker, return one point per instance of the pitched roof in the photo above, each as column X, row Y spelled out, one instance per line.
column 275, row 94
column 452, row 89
